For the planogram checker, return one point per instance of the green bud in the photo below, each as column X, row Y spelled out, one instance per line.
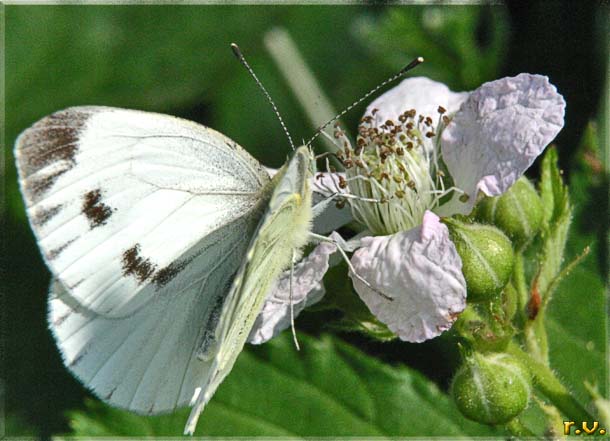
column 487, row 258
column 491, row 388
column 518, row 212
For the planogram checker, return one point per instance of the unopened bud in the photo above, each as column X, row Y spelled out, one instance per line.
column 491, row 388
column 518, row 212
column 487, row 258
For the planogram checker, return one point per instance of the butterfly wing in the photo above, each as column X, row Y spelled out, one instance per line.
column 144, row 220
column 284, row 229
column 145, row 362
column 122, row 202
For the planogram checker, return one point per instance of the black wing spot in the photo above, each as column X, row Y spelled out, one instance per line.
column 51, row 142
column 44, row 145
column 134, row 264
column 94, row 209
column 165, row 275
column 208, row 339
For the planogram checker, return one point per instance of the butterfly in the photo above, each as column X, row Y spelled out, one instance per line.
column 163, row 237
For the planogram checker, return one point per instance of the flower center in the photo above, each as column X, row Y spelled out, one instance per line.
column 394, row 170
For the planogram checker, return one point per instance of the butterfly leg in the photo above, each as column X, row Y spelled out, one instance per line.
column 341, row 246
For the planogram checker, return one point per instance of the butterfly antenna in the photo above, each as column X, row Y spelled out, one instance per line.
column 243, row 61
column 416, row 62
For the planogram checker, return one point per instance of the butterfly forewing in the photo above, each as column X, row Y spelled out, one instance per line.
column 122, row 202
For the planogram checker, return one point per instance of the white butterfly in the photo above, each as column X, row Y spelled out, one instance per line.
column 163, row 237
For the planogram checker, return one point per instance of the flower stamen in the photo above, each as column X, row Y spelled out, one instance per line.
column 396, row 162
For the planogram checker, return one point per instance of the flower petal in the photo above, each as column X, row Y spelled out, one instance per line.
column 307, row 289
column 421, row 270
column 271, row 171
column 327, row 217
column 419, row 93
column 497, row 134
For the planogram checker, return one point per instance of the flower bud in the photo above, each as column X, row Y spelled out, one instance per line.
column 491, row 388
column 487, row 258
column 518, row 212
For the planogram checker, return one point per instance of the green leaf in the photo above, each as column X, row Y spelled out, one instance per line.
column 328, row 388
column 553, row 191
column 452, row 37
column 11, row 424
column 557, row 216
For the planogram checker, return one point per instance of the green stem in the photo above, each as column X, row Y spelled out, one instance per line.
column 521, row 287
column 534, row 332
column 536, row 339
column 463, row 325
column 547, row 383
column 516, row 427
column 469, row 314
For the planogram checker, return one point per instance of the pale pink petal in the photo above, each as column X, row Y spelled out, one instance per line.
column 421, row 270
column 271, row 171
column 327, row 216
column 497, row 134
column 419, row 93
column 327, row 184
column 307, row 289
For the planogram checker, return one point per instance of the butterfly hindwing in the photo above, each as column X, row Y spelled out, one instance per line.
column 145, row 362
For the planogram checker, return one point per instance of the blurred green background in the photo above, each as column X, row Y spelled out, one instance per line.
column 176, row 60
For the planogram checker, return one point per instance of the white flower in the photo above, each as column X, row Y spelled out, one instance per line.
column 422, row 149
